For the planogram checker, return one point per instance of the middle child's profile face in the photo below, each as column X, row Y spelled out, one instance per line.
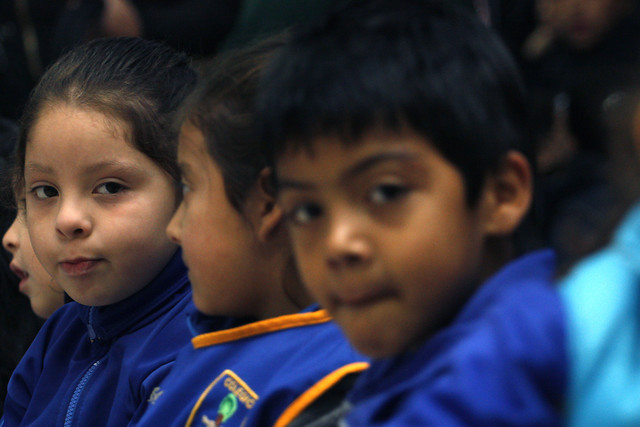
column 382, row 235
column 218, row 243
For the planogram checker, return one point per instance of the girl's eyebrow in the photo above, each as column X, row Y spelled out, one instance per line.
column 184, row 167
column 36, row 167
column 91, row 168
column 118, row 165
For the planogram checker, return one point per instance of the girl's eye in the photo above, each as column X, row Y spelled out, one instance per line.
column 44, row 191
column 109, row 188
column 304, row 214
column 184, row 188
column 385, row 193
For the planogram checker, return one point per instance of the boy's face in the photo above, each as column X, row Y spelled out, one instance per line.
column 96, row 206
column 383, row 236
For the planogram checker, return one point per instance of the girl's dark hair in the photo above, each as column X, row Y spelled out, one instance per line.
column 221, row 107
column 139, row 82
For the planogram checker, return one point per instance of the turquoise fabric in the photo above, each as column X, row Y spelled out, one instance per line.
column 602, row 297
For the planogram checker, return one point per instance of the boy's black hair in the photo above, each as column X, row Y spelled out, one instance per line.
column 140, row 83
column 427, row 65
column 222, row 108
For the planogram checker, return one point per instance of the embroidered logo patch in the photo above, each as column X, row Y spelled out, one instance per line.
column 155, row 394
column 228, row 396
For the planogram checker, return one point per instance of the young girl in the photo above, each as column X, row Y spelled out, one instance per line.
column 45, row 295
column 248, row 368
column 96, row 154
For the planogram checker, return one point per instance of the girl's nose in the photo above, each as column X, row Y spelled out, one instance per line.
column 73, row 220
column 174, row 227
column 10, row 239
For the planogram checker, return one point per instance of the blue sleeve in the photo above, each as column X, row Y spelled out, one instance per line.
column 23, row 380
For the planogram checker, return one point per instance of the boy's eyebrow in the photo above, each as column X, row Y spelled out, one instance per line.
column 360, row 167
column 372, row 161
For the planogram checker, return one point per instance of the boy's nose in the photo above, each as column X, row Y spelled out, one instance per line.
column 348, row 244
column 73, row 221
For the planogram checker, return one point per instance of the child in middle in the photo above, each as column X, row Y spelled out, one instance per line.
column 259, row 343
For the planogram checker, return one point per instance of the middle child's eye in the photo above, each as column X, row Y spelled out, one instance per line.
column 304, row 213
column 110, row 187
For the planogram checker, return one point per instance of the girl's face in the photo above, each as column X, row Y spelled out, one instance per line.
column 218, row 244
column 44, row 294
column 96, row 206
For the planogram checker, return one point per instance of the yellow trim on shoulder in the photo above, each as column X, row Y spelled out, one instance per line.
column 316, row 390
column 261, row 327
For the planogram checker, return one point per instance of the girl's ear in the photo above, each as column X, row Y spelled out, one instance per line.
column 268, row 215
column 508, row 195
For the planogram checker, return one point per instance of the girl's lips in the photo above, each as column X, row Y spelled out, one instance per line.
column 78, row 267
column 22, row 275
column 18, row 271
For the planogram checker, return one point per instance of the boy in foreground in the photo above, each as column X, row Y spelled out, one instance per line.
column 397, row 131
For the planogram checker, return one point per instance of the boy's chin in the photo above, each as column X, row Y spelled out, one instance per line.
column 377, row 347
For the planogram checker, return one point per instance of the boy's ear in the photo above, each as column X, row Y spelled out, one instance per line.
column 508, row 194
column 268, row 214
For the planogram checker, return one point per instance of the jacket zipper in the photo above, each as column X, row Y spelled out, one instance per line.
column 77, row 392
column 71, row 409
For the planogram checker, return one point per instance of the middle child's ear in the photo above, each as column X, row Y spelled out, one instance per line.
column 266, row 216
column 509, row 194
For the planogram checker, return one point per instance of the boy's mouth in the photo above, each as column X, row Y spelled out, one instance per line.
column 368, row 296
column 78, row 266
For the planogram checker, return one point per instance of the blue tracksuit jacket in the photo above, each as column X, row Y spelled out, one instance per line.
column 262, row 373
column 95, row 366
column 502, row 362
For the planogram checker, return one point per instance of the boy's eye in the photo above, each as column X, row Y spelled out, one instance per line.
column 109, row 188
column 44, row 191
column 304, row 214
column 385, row 193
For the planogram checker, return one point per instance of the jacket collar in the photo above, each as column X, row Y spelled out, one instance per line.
column 107, row 322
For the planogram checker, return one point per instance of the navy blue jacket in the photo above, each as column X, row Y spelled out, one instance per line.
column 95, row 366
